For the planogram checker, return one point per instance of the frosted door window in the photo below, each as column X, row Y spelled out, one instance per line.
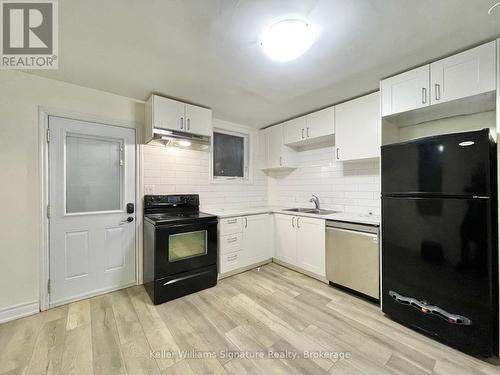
column 187, row 245
column 93, row 174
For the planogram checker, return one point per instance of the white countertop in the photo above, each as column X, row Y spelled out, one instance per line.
column 340, row 216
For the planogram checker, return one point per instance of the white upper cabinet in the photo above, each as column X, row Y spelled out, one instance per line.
column 466, row 74
column 198, row 120
column 321, row 123
column 168, row 114
column 406, row 91
column 357, row 128
column 295, row 130
column 313, row 128
column 459, row 76
column 279, row 156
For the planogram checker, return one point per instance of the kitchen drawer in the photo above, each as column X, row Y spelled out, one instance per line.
column 231, row 225
column 231, row 243
column 231, row 261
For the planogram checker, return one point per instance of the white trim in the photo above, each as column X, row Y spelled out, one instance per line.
column 43, row 123
column 139, row 189
column 19, row 311
column 92, row 294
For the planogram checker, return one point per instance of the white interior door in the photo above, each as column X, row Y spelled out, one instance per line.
column 91, row 181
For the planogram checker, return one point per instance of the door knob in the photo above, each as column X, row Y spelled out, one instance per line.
column 128, row 220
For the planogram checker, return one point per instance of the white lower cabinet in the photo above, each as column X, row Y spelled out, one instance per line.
column 311, row 249
column 300, row 241
column 285, row 238
column 256, row 238
column 296, row 240
column 243, row 241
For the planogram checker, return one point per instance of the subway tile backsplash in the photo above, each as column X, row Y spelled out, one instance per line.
column 344, row 186
column 169, row 170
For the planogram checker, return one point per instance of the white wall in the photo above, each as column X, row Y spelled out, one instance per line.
column 169, row 170
column 21, row 95
column 345, row 186
column 455, row 124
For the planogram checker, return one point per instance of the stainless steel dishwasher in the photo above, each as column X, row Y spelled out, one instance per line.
column 353, row 257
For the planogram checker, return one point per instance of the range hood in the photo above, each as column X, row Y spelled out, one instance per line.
column 181, row 139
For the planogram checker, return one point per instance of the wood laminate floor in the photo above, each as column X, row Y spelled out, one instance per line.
column 240, row 326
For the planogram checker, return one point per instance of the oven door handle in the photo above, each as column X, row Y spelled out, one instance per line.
column 185, row 277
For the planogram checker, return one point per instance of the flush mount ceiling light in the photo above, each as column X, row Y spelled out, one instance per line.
column 288, row 39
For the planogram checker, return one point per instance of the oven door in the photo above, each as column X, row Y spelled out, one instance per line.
column 184, row 247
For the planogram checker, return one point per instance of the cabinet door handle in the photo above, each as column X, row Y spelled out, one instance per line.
column 182, row 123
column 293, row 221
column 437, row 91
column 246, row 223
column 232, row 240
column 281, row 161
column 307, row 132
column 188, row 124
column 337, row 153
column 298, row 221
column 424, row 95
column 302, row 133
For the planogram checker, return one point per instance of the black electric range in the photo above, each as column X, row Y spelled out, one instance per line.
column 180, row 247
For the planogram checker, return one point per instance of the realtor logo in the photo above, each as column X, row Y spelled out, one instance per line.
column 28, row 34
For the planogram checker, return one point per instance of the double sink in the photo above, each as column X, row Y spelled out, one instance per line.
column 315, row 211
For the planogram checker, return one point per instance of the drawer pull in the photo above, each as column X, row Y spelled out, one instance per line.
column 232, row 257
column 233, row 221
column 231, row 240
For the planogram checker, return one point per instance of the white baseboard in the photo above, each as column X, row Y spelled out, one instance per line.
column 19, row 311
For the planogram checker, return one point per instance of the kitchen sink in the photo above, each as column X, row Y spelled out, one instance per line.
column 304, row 210
column 324, row 212
column 312, row 211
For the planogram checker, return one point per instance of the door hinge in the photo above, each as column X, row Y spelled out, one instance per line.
column 48, row 135
column 48, row 211
column 49, row 286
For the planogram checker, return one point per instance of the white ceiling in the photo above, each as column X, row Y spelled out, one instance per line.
column 207, row 51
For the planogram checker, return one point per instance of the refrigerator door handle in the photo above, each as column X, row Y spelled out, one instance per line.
column 430, row 309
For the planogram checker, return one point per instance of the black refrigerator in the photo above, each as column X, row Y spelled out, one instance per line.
column 439, row 238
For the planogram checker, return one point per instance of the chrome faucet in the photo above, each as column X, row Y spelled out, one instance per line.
column 315, row 200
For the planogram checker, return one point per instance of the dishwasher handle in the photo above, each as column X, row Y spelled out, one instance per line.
column 355, row 228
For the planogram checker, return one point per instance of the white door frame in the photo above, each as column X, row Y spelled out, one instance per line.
column 43, row 165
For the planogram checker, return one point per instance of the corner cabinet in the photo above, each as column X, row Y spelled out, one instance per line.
column 166, row 114
column 357, row 128
column 300, row 242
column 244, row 241
column 276, row 154
column 465, row 74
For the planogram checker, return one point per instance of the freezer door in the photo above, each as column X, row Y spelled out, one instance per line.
column 438, row 269
column 452, row 164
